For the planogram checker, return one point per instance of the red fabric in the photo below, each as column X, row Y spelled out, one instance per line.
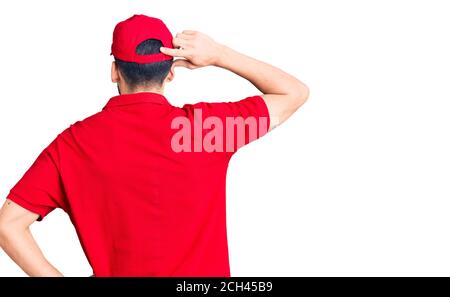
column 130, row 33
column 139, row 208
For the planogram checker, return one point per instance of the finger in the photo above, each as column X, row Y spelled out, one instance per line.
column 190, row 32
column 185, row 36
column 174, row 52
column 183, row 63
column 181, row 42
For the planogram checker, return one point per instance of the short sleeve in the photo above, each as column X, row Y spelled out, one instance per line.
column 238, row 123
column 40, row 190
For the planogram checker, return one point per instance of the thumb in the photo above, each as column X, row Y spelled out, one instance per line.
column 183, row 63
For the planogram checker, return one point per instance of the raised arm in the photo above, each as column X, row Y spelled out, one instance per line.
column 17, row 241
column 283, row 93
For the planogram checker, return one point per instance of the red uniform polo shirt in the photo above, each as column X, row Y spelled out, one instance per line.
column 139, row 207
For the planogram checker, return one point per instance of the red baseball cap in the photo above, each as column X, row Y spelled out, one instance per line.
column 130, row 33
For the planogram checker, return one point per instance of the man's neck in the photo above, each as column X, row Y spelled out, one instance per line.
column 142, row 90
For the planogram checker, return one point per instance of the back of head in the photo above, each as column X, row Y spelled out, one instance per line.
column 136, row 50
column 148, row 74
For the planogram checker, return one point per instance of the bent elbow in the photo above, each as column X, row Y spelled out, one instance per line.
column 7, row 230
column 3, row 233
column 301, row 95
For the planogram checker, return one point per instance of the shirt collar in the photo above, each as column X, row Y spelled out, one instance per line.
column 136, row 98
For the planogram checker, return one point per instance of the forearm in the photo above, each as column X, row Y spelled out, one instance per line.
column 266, row 78
column 23, row 249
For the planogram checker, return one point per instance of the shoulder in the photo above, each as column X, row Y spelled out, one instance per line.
column 88, row 123
column 249, row 106
column 80, row 130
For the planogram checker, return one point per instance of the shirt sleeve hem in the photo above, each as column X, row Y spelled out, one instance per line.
column 41, row 211
column 266, row 110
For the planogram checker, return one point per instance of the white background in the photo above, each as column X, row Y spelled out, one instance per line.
column 357, row 182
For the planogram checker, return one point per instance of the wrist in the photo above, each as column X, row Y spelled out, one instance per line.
column 223, row 52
